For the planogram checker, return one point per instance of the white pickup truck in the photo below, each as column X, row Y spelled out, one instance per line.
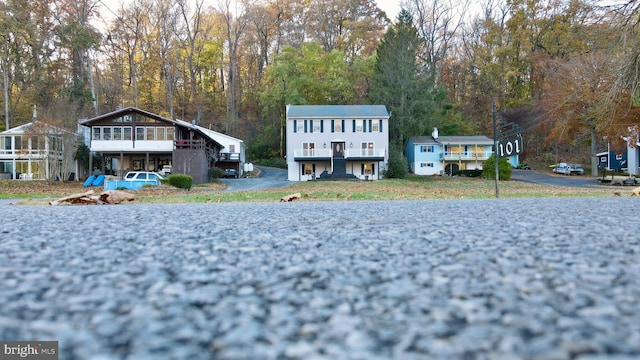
column 166, row 170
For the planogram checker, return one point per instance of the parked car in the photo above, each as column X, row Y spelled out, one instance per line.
column 230, row 173
column 134, row 180
column 562, row 168
column 166, row 170
column 576, row 169
column 568, row 169
column 143, row 175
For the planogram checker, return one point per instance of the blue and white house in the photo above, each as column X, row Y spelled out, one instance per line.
column 336, row 141
column 446, row 155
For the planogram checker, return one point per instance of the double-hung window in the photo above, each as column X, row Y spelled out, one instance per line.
column 367, row 149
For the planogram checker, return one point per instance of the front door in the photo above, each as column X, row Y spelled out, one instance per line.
column 338, row 149
column 339, row 163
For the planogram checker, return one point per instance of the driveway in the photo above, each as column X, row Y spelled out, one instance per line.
column 537, row 177
column 270, row 178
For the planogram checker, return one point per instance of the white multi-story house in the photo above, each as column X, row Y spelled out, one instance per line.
column 336, row 141
column 37, row 151
column 446, row 155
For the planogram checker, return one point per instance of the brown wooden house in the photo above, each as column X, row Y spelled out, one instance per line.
column 133, row 139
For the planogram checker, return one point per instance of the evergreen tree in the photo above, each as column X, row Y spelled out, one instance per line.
column 400, row 83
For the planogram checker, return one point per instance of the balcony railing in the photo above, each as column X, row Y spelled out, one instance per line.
column 189, row 144
column 466, row 155
column 348, row 153
column 229, row 157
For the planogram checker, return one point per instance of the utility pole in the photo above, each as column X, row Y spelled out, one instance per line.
column 495, row 146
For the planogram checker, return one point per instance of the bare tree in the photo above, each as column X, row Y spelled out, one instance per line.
column 126, row 36
column 235, row 23
column 438, row 23
column 191, row 30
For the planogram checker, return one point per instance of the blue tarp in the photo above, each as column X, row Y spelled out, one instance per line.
column 98, row 181
column 89, row 181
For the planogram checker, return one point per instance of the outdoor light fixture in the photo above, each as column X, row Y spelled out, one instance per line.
column 351, row 145
column 324, row 145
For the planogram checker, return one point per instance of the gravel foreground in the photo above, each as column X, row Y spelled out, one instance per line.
column 461, row 279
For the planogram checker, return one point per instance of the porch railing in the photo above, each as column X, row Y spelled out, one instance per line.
column 466, row 155
column 348, row 153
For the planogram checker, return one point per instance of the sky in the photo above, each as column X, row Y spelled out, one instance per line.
column 391, row 7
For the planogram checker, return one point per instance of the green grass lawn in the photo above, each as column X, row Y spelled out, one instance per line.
column 411, row 188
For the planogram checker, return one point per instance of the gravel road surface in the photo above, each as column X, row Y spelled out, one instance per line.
column 461, row 279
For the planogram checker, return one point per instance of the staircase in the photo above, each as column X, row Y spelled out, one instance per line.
column 339, row 171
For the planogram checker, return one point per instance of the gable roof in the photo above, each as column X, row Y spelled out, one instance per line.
column 210, row 133
column 453, row 140
column 337, row 111
column 22, row 129
column 125, row 111
column 132, row 110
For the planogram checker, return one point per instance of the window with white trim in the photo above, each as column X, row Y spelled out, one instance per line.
column 337, row 127
column 427, row 148
column 300, row 126
column 140, row 132
column 426, row 165
column 161, row 133
column 367, row 149
column 126, row 133
column 106, row 133
column 308, row 149
column 117, row 133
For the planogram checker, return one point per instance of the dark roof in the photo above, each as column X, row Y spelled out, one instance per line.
column 337, row 111
column 453, row 140
column 134, row 110
column 126, row 111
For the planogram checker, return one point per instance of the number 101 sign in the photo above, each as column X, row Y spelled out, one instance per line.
column 509, row 147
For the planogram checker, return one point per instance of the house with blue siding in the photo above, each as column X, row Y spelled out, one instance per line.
column 336, row 141
column 446, row 155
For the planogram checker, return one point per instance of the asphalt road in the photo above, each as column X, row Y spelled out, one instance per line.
column 537, row 177
column 270, row 178
column 440, row 279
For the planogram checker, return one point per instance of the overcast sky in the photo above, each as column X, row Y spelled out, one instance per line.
column 391, row 7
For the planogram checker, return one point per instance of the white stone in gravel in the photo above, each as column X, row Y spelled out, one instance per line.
column 299, row 350
column 598, row 311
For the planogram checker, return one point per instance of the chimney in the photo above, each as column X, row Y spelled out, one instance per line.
column 435, row 133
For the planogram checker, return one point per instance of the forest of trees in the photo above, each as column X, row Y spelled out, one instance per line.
column 566, row 71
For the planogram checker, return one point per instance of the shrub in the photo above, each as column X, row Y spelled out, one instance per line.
column 398, row 166
column 489, row 169
column 216, row 173
column 180, row 181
